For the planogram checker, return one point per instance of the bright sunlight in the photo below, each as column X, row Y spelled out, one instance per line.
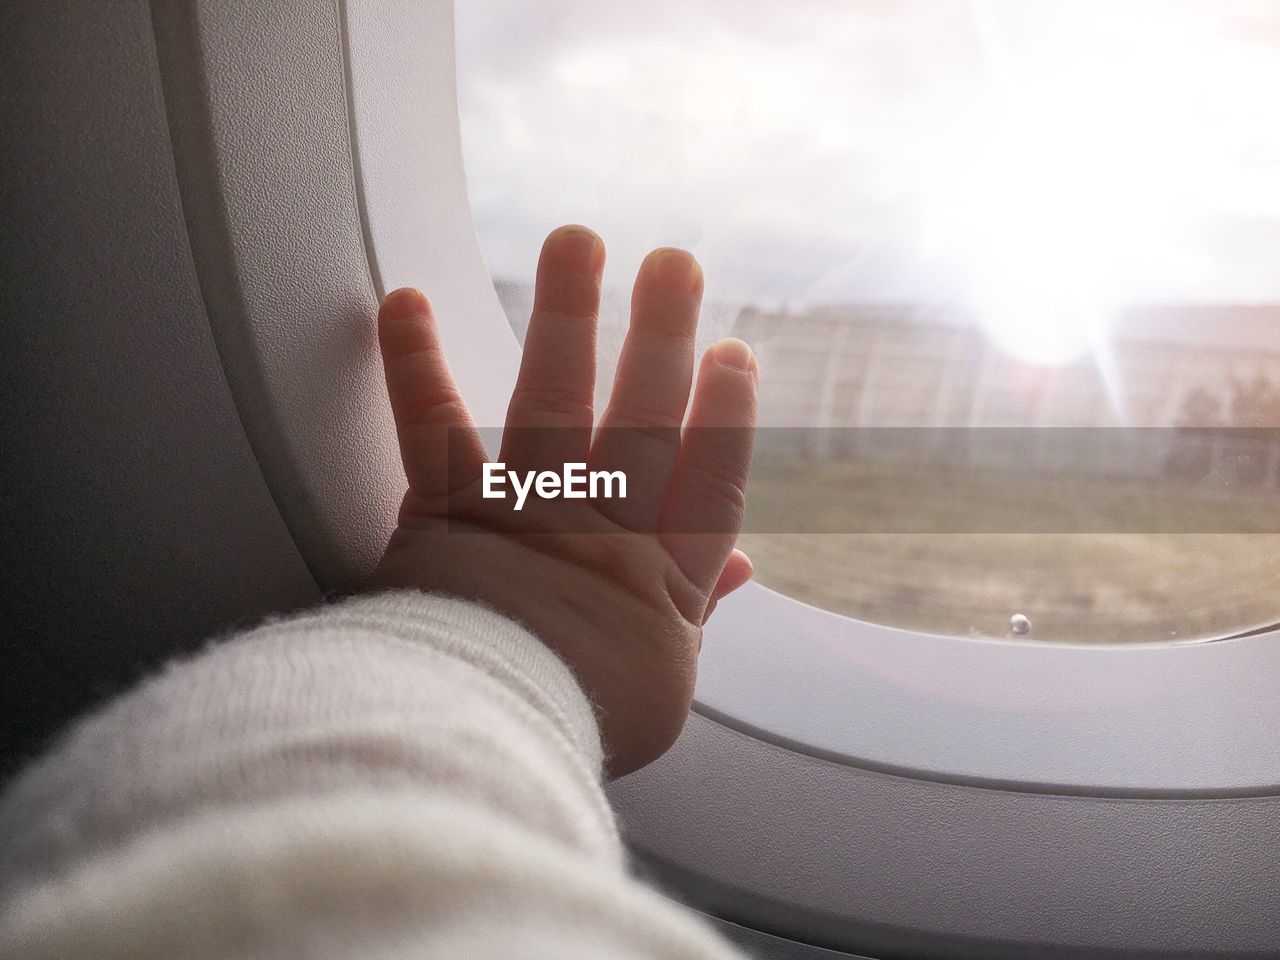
column 1074, row 179
column 1045, row 164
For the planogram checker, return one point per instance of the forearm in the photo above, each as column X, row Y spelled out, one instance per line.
column 399, row 773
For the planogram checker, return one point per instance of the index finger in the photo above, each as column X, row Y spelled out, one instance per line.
column 706, row 502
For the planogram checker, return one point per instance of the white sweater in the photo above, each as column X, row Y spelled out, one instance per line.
column 394, row 776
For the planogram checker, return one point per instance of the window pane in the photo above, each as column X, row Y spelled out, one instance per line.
column 960, row 215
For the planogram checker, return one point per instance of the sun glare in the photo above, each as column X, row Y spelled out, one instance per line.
column 1044, row 163
column 1060, row 198
column 1054, row 212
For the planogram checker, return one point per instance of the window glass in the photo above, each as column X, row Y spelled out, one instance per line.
column 935, row 220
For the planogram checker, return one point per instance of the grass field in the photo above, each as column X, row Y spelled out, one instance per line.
column 962, row 570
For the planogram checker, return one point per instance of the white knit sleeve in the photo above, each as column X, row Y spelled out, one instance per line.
column 402, row 775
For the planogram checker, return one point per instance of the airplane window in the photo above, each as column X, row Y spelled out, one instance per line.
column 1010, row 269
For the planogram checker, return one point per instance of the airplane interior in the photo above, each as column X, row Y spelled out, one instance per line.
column 1006, row 683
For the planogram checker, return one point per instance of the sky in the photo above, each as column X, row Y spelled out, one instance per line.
column 1079, row 153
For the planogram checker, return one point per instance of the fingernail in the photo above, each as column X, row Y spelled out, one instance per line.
column 404, row 303
column 578, row 249
column 676, row 270
column 732, row 352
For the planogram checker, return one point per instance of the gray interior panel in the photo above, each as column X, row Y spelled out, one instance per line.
column 257, row 106
column 136, row 519
column 861, row 861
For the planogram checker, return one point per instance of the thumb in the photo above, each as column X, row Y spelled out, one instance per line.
column 737, row 571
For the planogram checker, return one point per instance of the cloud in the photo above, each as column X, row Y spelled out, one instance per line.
column 797, row 147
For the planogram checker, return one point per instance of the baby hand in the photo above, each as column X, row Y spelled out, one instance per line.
column 619, row 588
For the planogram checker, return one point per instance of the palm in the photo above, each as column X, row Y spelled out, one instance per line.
column 618, row 587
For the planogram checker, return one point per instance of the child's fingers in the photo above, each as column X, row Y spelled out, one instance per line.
column 424, row 399
column 550, row 408
column 640, row 430
column 708, row 489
